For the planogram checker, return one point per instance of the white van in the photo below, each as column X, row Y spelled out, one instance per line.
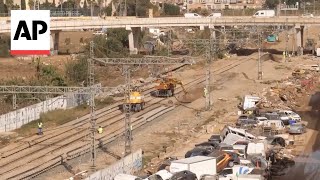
column 126, row 177
column 192, row 15
column 265, row 13
column 214, row 15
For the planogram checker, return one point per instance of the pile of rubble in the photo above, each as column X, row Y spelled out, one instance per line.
column 284, row 93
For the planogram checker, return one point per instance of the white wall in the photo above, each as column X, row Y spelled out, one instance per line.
column 128, row 165
column 16, row 119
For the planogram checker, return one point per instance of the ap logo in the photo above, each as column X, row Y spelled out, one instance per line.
column 30, row 32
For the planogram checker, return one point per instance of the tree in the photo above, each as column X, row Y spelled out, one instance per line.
column 2, row 7
column 85, row 6
column 23, row 4
column 9, row 4
column 77, row 71
column 30, row 4
column 271, row 4
column 4, row 46
column 46, row 5
column 53, row 5
column 69, row 4
column 116, row 45
column 77, row 2
column 107, row 10
column 16, row 6
column 120, row 34
column 170, row 9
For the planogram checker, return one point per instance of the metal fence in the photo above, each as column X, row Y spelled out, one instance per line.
column 128, row 165
column 57, row 12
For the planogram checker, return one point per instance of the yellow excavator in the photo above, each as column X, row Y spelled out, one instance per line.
column 166, row 87
column 136, row 100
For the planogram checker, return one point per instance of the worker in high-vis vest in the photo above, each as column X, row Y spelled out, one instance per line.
column 205, row 92
column 100, row 130
column 40, row 128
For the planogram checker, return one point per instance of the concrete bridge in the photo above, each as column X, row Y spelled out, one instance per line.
column 134, row 24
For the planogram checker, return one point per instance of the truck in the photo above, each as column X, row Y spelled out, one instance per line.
column 265, row 13
column 200, row 165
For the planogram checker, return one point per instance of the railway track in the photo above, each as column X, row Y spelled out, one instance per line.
column 28, row 159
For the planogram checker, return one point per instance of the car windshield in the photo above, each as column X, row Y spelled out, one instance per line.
column 243, row 117
column 296, row 125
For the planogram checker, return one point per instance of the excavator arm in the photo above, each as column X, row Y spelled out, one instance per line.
column 181, row 84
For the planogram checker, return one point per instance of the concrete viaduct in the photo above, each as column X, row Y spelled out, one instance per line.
column 134, row 24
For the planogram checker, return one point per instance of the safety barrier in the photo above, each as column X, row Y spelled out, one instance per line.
column 175, row 21
column 15, row 119
column 128, row 165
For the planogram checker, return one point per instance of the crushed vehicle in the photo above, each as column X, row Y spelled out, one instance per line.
column 297, row 128
column 166, row 163
column 197, row 152
column 215, row 138
column 230, row 135
column 223, row 160
column 186, row 175
column 199, row 165
column 260, row 120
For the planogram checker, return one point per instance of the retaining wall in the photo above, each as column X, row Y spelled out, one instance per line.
column 128, row 165
column 15, row 119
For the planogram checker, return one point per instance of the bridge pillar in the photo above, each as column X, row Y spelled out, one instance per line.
column 299, row 39
column 132, row 43
column 54, row 42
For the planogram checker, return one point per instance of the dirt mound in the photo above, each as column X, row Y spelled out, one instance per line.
column 191, row 96
column 271, row 57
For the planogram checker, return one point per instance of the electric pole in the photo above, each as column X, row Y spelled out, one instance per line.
column 259, row 56
column 127, row 110
column 92, row 106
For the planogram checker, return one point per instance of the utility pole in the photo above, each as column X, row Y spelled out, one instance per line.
column 92, row 106
column 91, row 10
column 125, row 8
column 287, row 40
column 210, row 48
column 314, row 7
column 127, row 109
column 210, row 54
column 259, row 58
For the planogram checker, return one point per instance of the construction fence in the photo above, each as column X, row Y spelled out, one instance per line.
column 128, row 165
column 15, row 119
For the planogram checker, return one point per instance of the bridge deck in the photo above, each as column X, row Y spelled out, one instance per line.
column 123, row 22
